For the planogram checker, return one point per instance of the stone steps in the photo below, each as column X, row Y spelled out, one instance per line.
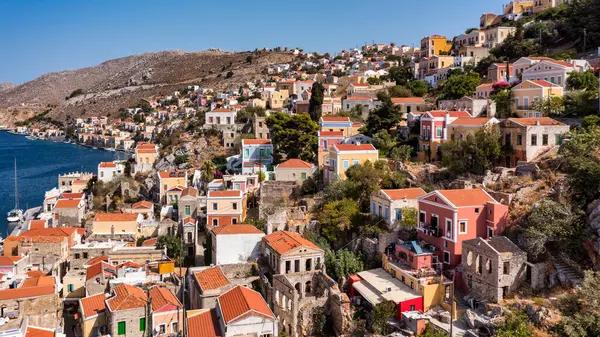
column 568, row 273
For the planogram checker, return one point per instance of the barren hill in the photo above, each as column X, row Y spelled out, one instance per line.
column 6, row 86
column 123, row 82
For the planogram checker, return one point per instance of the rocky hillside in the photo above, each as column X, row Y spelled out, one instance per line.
column 6, row 86
column 122, row 82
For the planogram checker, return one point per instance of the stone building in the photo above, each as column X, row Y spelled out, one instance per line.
column 206, row 286
column 188, row 203
column 260, row 128
column 189, row 234
column 493, row 268
column 127, row 311
column 36, row 300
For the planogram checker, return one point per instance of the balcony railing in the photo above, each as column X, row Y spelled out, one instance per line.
column 431, row 231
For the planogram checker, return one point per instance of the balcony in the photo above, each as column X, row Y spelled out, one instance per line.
column 432, row 230
column 425, row 137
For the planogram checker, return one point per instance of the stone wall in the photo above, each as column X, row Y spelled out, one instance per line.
column 132, row 321
column 538, row 275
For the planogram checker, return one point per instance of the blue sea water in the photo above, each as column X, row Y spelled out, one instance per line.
column 39, row 163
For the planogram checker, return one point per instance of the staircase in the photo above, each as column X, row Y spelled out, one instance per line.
column 570, row 274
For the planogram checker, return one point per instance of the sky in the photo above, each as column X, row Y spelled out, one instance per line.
column 40, row 36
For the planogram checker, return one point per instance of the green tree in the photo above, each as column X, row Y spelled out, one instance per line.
column 581, row 103
column 294, row 136
column 553, row 106
column 475, row 154
column 402, row 153
column 419, row 88
column 246, row 114
column 345, row 262
column 582, row 319
column 384, row 142
column 504, row 101
column 382, row 312
column 483, row 65
column 209, row 169
column 336, row 217
column 316, row 101
column 514, row 326
column 261, row 176
column 399, row 91
column 374, row 80
column 409, row 218
column 515, row 46
column 173, row 245
column 460, row 85
column 582, row 80
column 385, row 117
column 583, row 165
column 590, row 122
column 403, row 73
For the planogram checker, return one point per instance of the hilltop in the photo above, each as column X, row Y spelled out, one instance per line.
column 123, row 82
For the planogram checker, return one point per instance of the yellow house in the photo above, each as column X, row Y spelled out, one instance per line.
column 277, row 99
column 225, row 208
column 146, row 155
column 342, row 156
column 117, row 224
column 435, row 45
column 74, row 285
column 542, row 5
column 93, row 315
column 345, row 81
column 79, row 185
column 518, row 7
column 257, row 103
column 285, row 86
column 170, row 179
column 527, row 93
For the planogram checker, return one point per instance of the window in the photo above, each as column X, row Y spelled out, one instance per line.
column 379, row 210
column 544, row 140
column 215, row 206
column 558, row 139
column 387, row 213
column 345, row 163
column 398, row 214
column 325, row 144
column 462, row 227
column 188, row 210
column 422, row 217
column 233, row 221
column 446, row 257
column 412, row 307
column 77, row 256
column 165, row 187
column 303, row 176
column 412, row 284
column 71, row 287
column 246, row 153
column 490, row 232
column 373, row 208
column 448, row 228
column 506, row 268
column 189, row 237
column 354, row 162
column 174, row 327
column 162, row 329
column 143, row 324
column 519, row 140
column 215, row 222
column 438, row 132
column 476, row 210
column 121, row 328
column 234, row 205
column 533, row 140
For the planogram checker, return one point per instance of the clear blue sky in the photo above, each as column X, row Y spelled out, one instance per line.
column 39, row 36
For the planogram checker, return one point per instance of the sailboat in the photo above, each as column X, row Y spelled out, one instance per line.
column 16, row 215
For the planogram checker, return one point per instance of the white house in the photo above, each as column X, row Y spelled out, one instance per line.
column 108, row 171
column 244, row 312
column 389, row 204
column 551, row 71
column 220, row 116
column 235, row 244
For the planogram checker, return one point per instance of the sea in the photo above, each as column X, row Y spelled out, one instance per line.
column 39, row 162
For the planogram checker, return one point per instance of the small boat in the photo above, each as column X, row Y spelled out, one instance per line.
column 112, row 149
column 94, row 148
column 16, row 215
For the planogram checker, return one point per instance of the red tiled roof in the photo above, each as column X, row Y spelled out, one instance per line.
column 331, row 133
column 221, row 110
column 149, row 242
column 189, row 191
column 36, row 239
column 464, row 198
column 99, row 268
column 37, row 224
column 15, row 293
column 471, row 121
column 211, row 278
column 71, row 195
column 115, row 217
column 39, row 281
column 441, row 113
column 547, row 121
column 408, row 193
column 161, row 297
column 284, row 241
column 96, row 259
column 236, row 229
column 335, row 119
column 358, row 98
column 67, row 203
column 168, row 174
column 36, row 273
column 10, row 260
column 204, row 324
column 255, row 141
column 544, row 84
column 295, row 164
column 224, row 194
column 189, row 219
column 38, row 332
column 127, row 297
column 107, row 164
column 93, row 305
column 241, row 301
column 143, row 204
column 408, row 100
column 485, row 85
column 562, row 63
column 354, row 147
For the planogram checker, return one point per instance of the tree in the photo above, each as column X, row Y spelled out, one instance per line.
column 399, row 91
column 374, row 80
column 514, row 326
column 385, row 117
column 581, row 103
column 403, row 73
column 590, row 122
column 345, row 262
column 460, row 85
column 583, row 165
column 409, row 218
column 208, row 171
column 246, row 114
column 382, row 312
column 402, row 153
column 515, row 46
column 553, row 106
column 173, row 245
column 261, row 176
column 419, row 88
column 294, row 136
column 336, row 217
column 484, row 64
column 384, row 142
column 249, row 59
column 229, row 74
column 475, row 154
column 317, row 96
column 582, row 317
column 503, row 100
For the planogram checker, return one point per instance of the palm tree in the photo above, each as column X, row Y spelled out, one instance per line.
column 208, row 171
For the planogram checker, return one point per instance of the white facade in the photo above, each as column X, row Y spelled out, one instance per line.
column 236, row 248
column 108, row 171
column 220, row 117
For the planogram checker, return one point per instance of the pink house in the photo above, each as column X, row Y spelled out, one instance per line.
column 167, row 312
column 326, row 140
column 413, row 255
column 449, row 217
column 434, row 132
column 497, row 72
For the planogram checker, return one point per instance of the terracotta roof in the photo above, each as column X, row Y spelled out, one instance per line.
column 284, row 241
column 354, row 147
column 96, row 259
column 470, row 121
column 116, row 217
column 71, row 195
column 99, row 268
column 93, row 305
column 295, row 164
column 189, row 219
column 10, row 260
column 211, row 278
column 204, row 324
column 241, row 301
column 546, row 121
column 107, row 164
column 36, row 273
column 36, row 239
column 176, row 187
column 37, row 224
column 38, row 332
column 129, row 264
column 172, row 174
column 126, row 297
column 7, row 294
column 358, row 98
column 331, row 133
column 408, row 193
column 441, row 113
column 221, row 110
column 80, row 181
column 143, row 204
column 335, row 119
column 224, row 194
column 67, row 203
column 485, row 85
column 408, row 100
column 544, row 84
column 562, row 63
column 464, row 198
column 149, row 242
column 39, row 281
column 236, row 229
column 360, row 84
column 189, row 191
column 255, row 141
column 161, row 297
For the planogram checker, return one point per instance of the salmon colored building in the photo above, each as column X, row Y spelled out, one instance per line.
column 449, row 217
column 225, row 208
column 167, row 312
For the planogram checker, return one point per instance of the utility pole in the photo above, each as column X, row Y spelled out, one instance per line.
column 452, row 306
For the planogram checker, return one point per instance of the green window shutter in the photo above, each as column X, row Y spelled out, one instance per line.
column 142, row 324
column 121, row 328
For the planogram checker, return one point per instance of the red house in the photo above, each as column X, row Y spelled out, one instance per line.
column 434, row 131
column 448, row 217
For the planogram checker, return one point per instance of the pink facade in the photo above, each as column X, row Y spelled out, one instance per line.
column 415, row 304
column 414, row 260
column 448, row 217
column 329, row 138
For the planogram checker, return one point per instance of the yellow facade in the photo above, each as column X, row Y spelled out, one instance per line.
column 435, row 45
column 225, row 206
column 518, row 7
column 278, row 99
column 89, row 325
column 527, row 93
column 116, row 227
column 76, row 283
column 351, row 158
column 165, row 183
